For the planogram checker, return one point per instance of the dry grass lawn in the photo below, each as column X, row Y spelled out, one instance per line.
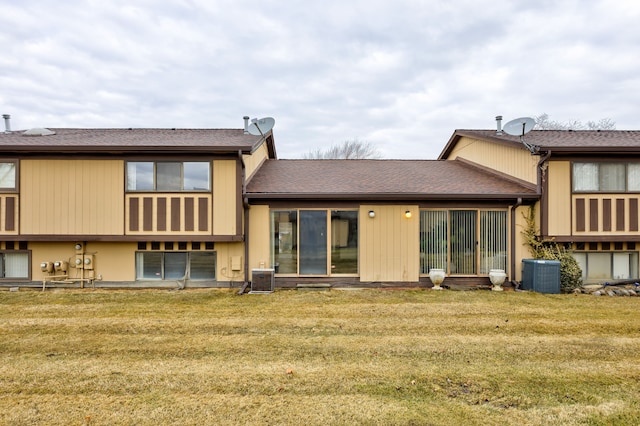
column 371, row 357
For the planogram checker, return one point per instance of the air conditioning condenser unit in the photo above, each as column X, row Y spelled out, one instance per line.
column 262, row 281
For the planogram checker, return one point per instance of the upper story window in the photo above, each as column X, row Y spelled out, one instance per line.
column 7, row 175
column 606, row 177
column 168, row 176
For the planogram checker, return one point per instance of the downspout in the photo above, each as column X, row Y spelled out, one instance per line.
column 539, row 191
column 512, row 271
column 245, row 205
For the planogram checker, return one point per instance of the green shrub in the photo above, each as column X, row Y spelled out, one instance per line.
column 570, row 271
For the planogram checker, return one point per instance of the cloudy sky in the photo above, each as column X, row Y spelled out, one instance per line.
column 402, row 74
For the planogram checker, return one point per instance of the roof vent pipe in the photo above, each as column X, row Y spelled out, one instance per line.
column 246, row 124
column 499, row 124
column 7, row 123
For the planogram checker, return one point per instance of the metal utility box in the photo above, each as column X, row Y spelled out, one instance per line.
column 542, row 276
column 262, row 281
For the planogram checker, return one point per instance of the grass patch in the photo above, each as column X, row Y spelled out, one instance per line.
column 410, row 357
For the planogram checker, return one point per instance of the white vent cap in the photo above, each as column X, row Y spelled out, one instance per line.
column 38, row 131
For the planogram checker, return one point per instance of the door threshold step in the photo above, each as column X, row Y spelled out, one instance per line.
column 314, row 286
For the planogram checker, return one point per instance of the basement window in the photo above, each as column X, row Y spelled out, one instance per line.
column 14, row 265
column 602, row 266
column 175, row 265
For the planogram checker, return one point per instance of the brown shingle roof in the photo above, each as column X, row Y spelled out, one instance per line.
column 78, row 140
column 559, row 141
column 381, row 179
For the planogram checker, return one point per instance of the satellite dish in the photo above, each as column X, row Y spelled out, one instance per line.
column 259, row 127
column 520, row 126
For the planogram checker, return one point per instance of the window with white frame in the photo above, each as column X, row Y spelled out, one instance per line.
column 14, row 264
column 7, row 175
column 606, row 177
column 155, row 265
column 602, row 266
column 168, row 176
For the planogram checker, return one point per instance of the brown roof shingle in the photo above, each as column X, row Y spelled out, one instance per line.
column 78, row 140
column 560, row 141
column 388, row 179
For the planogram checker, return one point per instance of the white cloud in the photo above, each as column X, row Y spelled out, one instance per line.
column 402, row 75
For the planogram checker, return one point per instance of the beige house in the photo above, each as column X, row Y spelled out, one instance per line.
column 208, row 207
column 589, row 186
column 383, row 222
column 126, row 207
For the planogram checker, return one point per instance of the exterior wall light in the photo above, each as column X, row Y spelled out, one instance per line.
column 407, row 214
column 372, row 214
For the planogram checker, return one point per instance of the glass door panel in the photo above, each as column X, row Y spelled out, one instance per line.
column 313, row 242
column 463, row 242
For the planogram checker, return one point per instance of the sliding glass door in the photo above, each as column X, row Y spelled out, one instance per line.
column 310, row 242
column 463, row 242
column 313, row 242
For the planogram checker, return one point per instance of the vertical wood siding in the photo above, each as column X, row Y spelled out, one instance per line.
column 389, row 244
column 254, row 161
column 66, row 197
column 225, row 193
column 605, row 214
column 156, row 211
column 620, row 216
column 517, row 162
column 559, row 198
column 9, row 214
column 259, row 230
column 134, row 213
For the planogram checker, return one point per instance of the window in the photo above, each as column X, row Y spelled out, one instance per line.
column 7, row 175
column 463, row 242
column 284, row 241
column 14, row 265
column 175, row 265
column 493, row 241
column 314, row 242
column 168, row 176
column 344, row 242
column 606, row 177
column 602, row 266
column 434, row 235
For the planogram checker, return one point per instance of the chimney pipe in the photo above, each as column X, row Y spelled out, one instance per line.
column 499, row 123
column 246, row 124
column 7, row 123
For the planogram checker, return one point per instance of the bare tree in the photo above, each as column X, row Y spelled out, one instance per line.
column 544, row 123
column 348, row 150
